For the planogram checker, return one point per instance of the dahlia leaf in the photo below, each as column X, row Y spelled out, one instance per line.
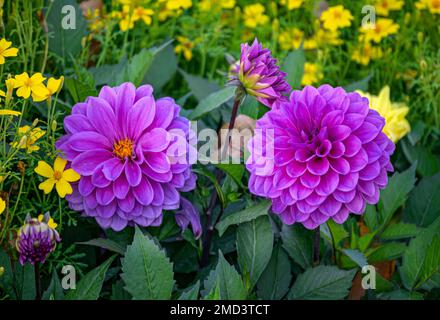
column 423, row 205
column 24, row 281
column 147, row 271
column 356, row 256
column 395, row 194
column 294, row 66
column 191, row 293
column 245, row 215
column 235, row 171
column 200, row 87
column 228, row 279
column 89, row 287
column 298, row 242
column 421, row 260
column 212, row 102
column 105, row 244
column 427, row 163
column 162, row 69
column 254, row 247
column 360, row 84
column 400, row 230
column 55, row 290
column 322, row 283
column 275, row 280
column 386, row 252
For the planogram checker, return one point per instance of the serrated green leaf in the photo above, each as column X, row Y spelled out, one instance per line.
column 89, row 287
column 337, row 231
column 254, row 247
column 191, row 293
column 213, row 101
column 356, row 256
column 386, row 252
column 427, row 163
column 275, row 280
column 235, row 171
column 298, row 242
column 400, row 231
column 322, row 283
column 147, row 271
column 245, row 215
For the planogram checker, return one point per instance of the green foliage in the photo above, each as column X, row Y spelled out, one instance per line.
column 298, row 242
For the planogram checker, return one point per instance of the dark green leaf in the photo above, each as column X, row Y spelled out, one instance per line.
column 298, row 242
column 213, row 101
column 105, row 244
column 191, row 293
column 293, row 65
column 54, row 291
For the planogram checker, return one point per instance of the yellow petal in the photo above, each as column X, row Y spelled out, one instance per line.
column 43, row 169
column 63, row 187
column 12, row 52
column 71, row 176
column 40, row 90
column 6, row 112
column 21, row 79
column 2, row 205
column 24, row 92
column 2, row 93
column 47, row 185
column 37, row 78
column 54, row 85
column 59, row 164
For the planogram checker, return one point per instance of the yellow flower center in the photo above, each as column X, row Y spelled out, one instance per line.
column 123, row 148
column 436, row 4
column 57, row 175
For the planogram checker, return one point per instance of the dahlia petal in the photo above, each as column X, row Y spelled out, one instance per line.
column 144, row 192
column 106, row 211
column 340, row 165
column 113, row 168
column 341, row 216
column 309, row 180
column 99, row 180
column 102, row 117
column 370, row 172
column 121, row 187
column 86, row 163
column 352, row 145
column 330, row 206
column 77, row 123
column 133, row 173
column 358, row 161
column 339, row 132
column 366, row 132
column 158, row 162
column 357, row 205
column 127, row 204
column 156, row 140
column 105, row 195
column 141, row 116
column 329, row 183
column 348, row 182
column 318, row 166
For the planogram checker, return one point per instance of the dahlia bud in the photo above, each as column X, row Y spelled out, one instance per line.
column 259, row 75
column 2, row 271
column 35, row 240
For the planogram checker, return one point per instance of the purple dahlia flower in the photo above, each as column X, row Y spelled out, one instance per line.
column 259, row 75
column 133, row 155
column 321, row 155
column 35, row 240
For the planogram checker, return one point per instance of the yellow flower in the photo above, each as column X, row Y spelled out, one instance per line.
column 336, row 17
column 185, row 45
column 396, row 126
column 254, row 15
column 310, row 44
column 364, row 53
column 57, row 177
column 292, row 4
column 207, row 5
column 432, row 5
column 27, row 85
column 327, row 37
column 6, row 51
column 53, row 87
column 7, row 112
column 290, row 39
column 179, row 4
column 312, row 74
column 144, row 14
column 28, row 137
column 51, row 223
column 383, row 7
column 382, row 29
column 9, row 89
column 2, row 205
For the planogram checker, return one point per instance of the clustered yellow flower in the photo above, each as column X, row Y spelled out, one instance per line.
column 254, row 15
column 383, row 7
column 378, row 31
column 57, row 177
column 207, row 5
column 34, row 85
column 365, row 52
column 2, row 205
column 432, row 5
column 396, row 125
column 185, row 46
column 312, row 74
column 336, row 17
column 291, row 4
column 6, row 50
column 290, row 39
column 28, row 136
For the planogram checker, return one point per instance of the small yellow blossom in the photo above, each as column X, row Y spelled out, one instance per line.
column 2, row 205
column 27, row 85
column 53, row 87
column 143, row 14
column 10, row 83
column 179, row 4
column 292, row 4
column 51, row 223
column 290, row 39
column 185, row 45
column 312, row 74
column 432, row 5
column 382, row 29
column 207, row 5
column 254, row 15
column 396, row 125
column 364, row 53
column 57, row 177
column 6, row 51
column 383, row 7
column 336, row 17
column 32, row 135
column 325, row 37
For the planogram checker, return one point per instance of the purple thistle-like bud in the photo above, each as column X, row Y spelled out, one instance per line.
column 328, row 156
column 35, row 240
column 258, row 74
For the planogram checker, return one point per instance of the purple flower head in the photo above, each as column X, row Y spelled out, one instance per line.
column 259, row 75
column 326, row 156
column 133, row 155
column 188, row 214
column 35, row 240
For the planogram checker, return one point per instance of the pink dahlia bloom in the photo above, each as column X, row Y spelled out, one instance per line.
column 259, row 75
column 321, row 155
column 133, row 155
